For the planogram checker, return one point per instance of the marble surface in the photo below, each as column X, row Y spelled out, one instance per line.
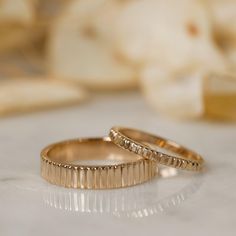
column 184, row 204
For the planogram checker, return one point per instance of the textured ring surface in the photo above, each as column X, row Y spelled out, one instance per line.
column 146, row 145
column 57, row 165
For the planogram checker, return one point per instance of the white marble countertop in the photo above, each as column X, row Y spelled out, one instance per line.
column 186, row 204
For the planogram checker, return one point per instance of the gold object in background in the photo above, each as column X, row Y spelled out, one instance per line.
column 148, row 145
column 16, row 20
column 220, row 97
column 191, row 94
column 58, row 165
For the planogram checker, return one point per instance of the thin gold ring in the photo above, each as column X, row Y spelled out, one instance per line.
column 58, row 165
column 146, row 145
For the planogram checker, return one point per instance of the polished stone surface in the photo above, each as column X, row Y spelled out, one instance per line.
column 182, row 204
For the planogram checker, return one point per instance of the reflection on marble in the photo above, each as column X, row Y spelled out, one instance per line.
column 134, row 202
column 127, row 202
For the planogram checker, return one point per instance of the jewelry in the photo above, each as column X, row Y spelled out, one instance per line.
column 125, row 202
column 145, row 145
column 58, row 165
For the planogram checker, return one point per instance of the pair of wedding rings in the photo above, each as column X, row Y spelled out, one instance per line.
column 88, row 163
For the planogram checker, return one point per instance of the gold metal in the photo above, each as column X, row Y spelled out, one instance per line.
column 147, row 145
column 127, row 202
column 59, row 167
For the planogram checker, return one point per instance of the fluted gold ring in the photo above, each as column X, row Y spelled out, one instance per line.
column 149, row 145
column 65, row 164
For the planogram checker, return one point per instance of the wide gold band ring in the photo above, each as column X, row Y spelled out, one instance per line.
column 153, row 147
column 71, row 164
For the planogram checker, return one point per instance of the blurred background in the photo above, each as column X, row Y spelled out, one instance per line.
column 164, row 66
column 179, row 55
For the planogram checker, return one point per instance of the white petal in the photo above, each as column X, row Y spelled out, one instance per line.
column 81, row 47
column 31, row 94
column 177, row 95
column 173, row 33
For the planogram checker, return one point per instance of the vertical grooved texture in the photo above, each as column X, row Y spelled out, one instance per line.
column 112, row 176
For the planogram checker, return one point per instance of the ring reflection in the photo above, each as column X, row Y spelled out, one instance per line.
column 133, row 202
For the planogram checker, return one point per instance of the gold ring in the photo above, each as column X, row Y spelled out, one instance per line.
column 64, row 164
column 147, row 145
